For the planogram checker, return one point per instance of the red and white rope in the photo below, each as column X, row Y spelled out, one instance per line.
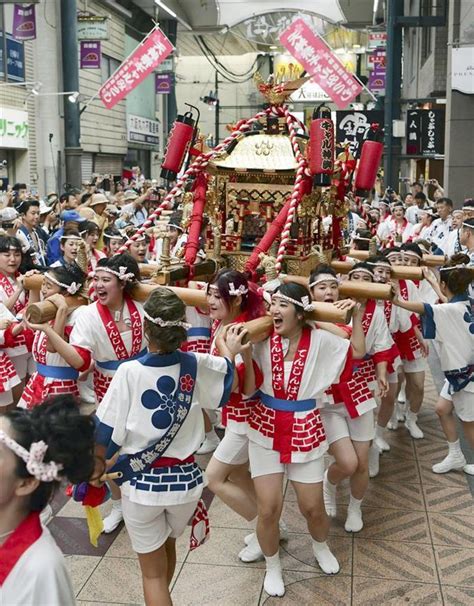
column 196, row 167
column 296, row 194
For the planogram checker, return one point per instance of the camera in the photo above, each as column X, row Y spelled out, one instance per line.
column 7, row 225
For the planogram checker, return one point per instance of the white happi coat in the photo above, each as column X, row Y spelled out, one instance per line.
column 451, row 325
column 127, row 425
column 325, row 362
column 40, row 577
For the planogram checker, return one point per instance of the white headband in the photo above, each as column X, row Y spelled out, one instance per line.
column 322, row 278
column 460, row 266
column 113, row 236
column 379, row 264
column 305, row 302
column 235, row 292
column 159, row 322
column 72, row 289
column 467, row 208
column 411, row 253
column 468, row 224
column 121, row 275
column 355, row 237
column 71, row 237
column 45, row 472
column 363, row 270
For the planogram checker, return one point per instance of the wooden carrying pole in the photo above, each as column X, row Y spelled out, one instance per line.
column 428, row 260
column 399, row 272
column 44, row 311
column 358, row 290
column 260, row 328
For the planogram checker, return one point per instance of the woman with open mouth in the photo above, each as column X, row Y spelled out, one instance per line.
column 106, row 333
column 233, row 300
column 298, row 362
column 348, row 411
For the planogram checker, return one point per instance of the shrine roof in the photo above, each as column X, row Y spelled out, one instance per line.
column 258, row 152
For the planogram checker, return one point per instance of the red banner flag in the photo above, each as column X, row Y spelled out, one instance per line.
column 321, row 63
column 152, row 51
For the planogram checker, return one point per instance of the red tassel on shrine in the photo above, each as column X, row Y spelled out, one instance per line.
column 199, row 202
column 372, row 150
column 321, row 146
column 179, row 140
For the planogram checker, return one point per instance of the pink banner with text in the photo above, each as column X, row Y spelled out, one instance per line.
column 321, row 63
column 152, row 51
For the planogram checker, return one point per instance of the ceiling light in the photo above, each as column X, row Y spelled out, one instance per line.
column 171, row 13
column 273, row 47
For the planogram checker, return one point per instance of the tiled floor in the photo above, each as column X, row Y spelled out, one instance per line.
column 417, row 545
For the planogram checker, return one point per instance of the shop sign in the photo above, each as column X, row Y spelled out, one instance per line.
column 425, row 132
column 90, row 54
column 166, row 66
column 377, row 80
column 377, row 59
column 13, row 128
column 352, row 127
column 321, row 63
column 309, row 93
column 143, row 130
column 163, row 84
column 15, row 59
column 92, row 27
column 377, row 40
column 462, row 69
column 152, row 51
column 24, row 22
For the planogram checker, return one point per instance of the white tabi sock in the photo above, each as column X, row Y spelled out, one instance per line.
column 326, row 560
column 273, row 582
column 454, row 447
column 354, row 521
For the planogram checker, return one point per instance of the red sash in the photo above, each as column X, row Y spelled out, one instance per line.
column 39, row 347
column 114, row 333
column 368, row 315
column 284, row 421
column 21, row 539
column 9, row 290
column 387, row 310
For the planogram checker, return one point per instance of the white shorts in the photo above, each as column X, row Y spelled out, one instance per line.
column 418, row 365
column 233, row 449
column 392, row 378
column 149, row 526
column 264, row 462
column 338, row 424
column 21, row 364
column 463, row 402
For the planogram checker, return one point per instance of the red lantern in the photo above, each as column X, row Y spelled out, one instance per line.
column 321, row 146
column 179, row 141
column 371, row 154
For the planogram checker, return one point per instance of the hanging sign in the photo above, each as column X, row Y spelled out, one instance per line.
column 377, row 80
column 24, row 22
column 163, row 84
column 321, row 63
column 377, row 40
column 92, row 27
column 353, row 126
column 462, row 69
column 425, row 132
column 90, row 55
column 152, row 51
column 15, row 60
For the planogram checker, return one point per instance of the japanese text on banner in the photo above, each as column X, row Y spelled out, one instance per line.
column 318, row 60
column 144, row 59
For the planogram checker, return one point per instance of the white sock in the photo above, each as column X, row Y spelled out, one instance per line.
column 454, row 447
column 354, row 521
column 326, row 560
column 329, row 494
column 412, row 416
column 379, row 431
column 273, row 582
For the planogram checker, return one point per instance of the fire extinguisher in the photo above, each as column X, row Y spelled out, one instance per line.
column 321, row 146
column 180, row 140
column 371, row 154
